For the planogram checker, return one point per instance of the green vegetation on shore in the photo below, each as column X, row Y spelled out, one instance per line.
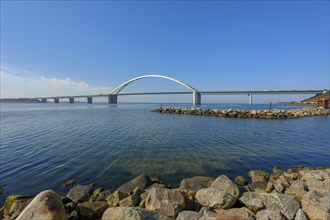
column 310, row 101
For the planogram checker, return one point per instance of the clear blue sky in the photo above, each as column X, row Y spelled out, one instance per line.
column 211, row 45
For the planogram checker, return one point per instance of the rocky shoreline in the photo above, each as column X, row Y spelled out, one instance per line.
column 300, row 193
column 236, row 113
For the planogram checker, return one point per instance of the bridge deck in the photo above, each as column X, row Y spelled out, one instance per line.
column 246, row 92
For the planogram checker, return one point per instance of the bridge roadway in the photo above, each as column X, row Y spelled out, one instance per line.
column 112, row 98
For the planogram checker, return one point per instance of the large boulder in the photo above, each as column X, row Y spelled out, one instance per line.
column 142, row 181
column 168, row 202
column 215, row 198
column 91, row 210
column 80, row 193
column 196, row 183
column 129, row 213
column 47, row 205
column 285, row 204
column 227, row 185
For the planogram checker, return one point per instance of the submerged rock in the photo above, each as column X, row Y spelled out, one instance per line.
column 196, row 183
column 68, row 183
column 142, row 181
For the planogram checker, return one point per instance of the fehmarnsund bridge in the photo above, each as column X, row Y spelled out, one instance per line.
column 196, row 94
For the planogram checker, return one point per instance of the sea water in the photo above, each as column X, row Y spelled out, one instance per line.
column 44, row 145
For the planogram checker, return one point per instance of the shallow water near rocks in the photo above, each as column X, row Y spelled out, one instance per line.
column 44, row 145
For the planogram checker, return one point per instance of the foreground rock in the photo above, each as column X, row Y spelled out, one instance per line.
column 295, row 194
column 47, row 205
column 263, row 114
column 129, row 213
column 166, row 201
column 80, row 193
column 215, row 198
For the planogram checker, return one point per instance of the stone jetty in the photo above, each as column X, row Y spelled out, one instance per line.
column 236, row 113
column 296, row 194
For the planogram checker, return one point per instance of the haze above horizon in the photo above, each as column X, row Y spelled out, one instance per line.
column 54, row 48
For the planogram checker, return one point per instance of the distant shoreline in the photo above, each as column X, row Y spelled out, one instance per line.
column 20, row 100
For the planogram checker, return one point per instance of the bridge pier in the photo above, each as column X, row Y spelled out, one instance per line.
column 250, row 99
column 56, row 100
column 89, row 100
column 197, row 97
column 71, row 100
column 43, row 100
column 112, row 99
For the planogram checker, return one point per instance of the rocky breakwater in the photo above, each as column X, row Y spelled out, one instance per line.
column 236, row 113
column 300, row 194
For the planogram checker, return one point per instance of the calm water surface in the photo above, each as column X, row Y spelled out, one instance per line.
column 44, row 145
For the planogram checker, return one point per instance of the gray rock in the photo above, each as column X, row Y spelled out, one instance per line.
column 80, row 193
column 285, row 204
column 239, row 213
column 207, row 214
column 91, row 210
column 318, row 185
column 168, row 202
column 279, row 187
column 325, row 199
column 47, row 205
column 131, row 200
column 191, row 215
column 196, row 183
column 115, row 198
column 251, row 201
column 129, row 213
column 300, row 215
column 215, row 198
column 227, row 185
column 270, row 215
column 142, row 181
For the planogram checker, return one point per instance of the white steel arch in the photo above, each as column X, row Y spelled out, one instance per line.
column 122, row 86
